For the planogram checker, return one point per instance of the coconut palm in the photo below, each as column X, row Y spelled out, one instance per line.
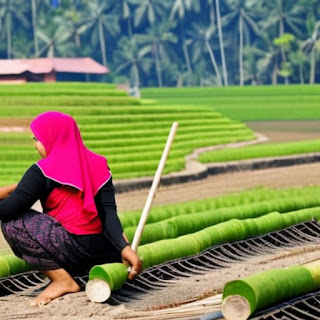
column 312, row 47
column 219, row 25
column 9, row 16
column 124, row 9
column 148, row 10
column 132, row 60
column 157, row 42
column 268, row 63
column 200, row 41
column 179, row 9
column 54, row 41
column 99, row 21
column 241, row 18
column 34, row 26
column 284, row 16
column 252, row 72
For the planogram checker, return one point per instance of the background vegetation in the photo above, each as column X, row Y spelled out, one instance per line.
column 172, row 42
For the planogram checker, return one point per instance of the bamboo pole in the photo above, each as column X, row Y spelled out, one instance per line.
column 99, row 290
column 154, row 186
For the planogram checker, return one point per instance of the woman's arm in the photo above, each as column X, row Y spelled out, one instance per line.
column 26, row 193
column 112, row 228
column 5, row 191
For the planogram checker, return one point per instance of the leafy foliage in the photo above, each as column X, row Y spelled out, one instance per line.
column 172, row 43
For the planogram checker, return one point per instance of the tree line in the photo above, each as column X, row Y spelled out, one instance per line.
column 172, row 42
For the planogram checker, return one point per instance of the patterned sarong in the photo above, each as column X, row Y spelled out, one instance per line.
column 46, row 245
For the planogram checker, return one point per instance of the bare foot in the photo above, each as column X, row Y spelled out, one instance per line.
column 61, row 283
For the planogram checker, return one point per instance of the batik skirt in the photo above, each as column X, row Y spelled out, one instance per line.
column 46, row 245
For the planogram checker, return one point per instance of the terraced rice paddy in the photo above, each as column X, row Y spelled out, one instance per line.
column 262, row 103
column 131, row 133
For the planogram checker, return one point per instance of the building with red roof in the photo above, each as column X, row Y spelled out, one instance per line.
column 47, row 69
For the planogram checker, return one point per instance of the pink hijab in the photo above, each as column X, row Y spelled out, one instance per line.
column 68, row 161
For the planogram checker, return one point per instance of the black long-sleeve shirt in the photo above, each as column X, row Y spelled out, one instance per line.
column 35, row 186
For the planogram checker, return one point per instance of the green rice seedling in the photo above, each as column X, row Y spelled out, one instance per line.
column 189, row 223
column 261, row 151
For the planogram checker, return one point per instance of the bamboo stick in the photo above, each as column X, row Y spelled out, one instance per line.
column 99, row 290
column 154, row 186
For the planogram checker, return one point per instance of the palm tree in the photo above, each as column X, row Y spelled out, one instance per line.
column 268, row 64
column 219, row 25
column 242, row 16
column 200, row 41
column 54, row 40
column 123, row 8
column 298, row 60
column 99, row 20
column 284, row 16
column 310, row 47
column 10, row 15
column 149, row 10
column 180, row 8
column 132, row 60
column 34, row 26
column 157, row 41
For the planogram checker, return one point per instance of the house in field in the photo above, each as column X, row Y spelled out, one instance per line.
column 49, row 69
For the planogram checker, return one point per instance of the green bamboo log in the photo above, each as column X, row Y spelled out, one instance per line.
column 187, row 245
column 193, row 222
column 241, row 298
column 248, row 197
column 11, row 265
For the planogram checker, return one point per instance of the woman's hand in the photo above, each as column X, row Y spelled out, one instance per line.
column 6, row 190
column 130, row 258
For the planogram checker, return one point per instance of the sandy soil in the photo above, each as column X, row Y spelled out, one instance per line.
column 196, row 287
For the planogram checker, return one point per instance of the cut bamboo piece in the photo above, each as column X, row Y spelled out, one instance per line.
column 236, row 307
column 98, row 290
column 112, row 282
column 11, row 265
column 241, row 298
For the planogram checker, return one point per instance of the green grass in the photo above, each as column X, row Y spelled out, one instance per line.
column 129, row 132
column 32, row 87
column 261, row 151
column 261, row 103
column 132, row 133
column 64, row 101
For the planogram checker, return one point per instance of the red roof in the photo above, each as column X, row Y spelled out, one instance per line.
column 47, row 65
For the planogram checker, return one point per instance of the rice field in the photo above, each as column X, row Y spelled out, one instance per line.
column 261, row 151
column 250, row 103
column 130, row 132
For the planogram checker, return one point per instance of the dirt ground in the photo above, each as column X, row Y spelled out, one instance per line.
column 77, row 306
